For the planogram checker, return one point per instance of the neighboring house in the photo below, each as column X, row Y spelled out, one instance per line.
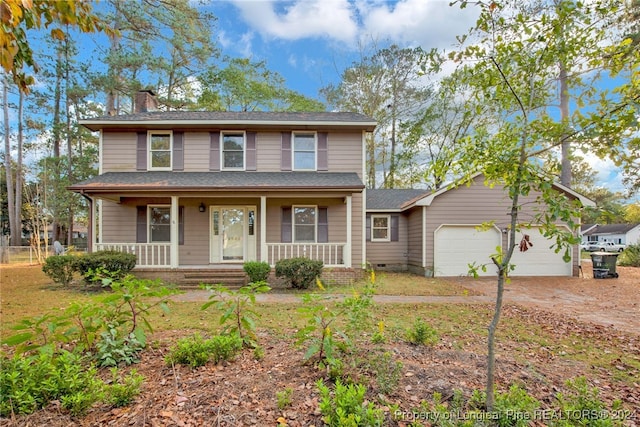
column 438, row 232
column 194, row 191
column 194, row 194
column 622, row 234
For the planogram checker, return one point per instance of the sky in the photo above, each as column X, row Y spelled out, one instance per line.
column 310, row 42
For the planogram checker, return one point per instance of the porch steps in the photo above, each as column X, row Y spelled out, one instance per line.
column 231, row 278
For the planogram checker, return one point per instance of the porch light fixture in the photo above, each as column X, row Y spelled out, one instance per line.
column 202, row 208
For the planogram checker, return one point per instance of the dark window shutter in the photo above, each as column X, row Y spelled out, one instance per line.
column 368, row 230
column 323, row 225
column 395, row 225
column 141, row 225
column 251, row 151
column 181, row 225
column 214, row 151
column 285, row 159
column 141, row 152
column 323, row 162
column 178, row 151
column 286, row 231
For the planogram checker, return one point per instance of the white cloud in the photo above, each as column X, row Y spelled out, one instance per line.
column 607, row 173
column 331, row 19
column 427, row 23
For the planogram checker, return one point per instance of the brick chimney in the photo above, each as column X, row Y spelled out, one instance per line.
column 145, row 101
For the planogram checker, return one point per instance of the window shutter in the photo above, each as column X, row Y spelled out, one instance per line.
column 141, row 224
column 286, row 230
column 251, row 151
column 285, row 159
column 141, row 152
column 323, row 225
column 395, row 225
column 181, row 225
column 323, row 162
column 214, row 151
column 178, row 151
column 368, row 230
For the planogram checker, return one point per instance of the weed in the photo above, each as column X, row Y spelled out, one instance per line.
column 386, row 371
column 422, row 334
column 238, row 315
column 122, row 391
column 346, row 406
column 195, row 351
column 284, row 398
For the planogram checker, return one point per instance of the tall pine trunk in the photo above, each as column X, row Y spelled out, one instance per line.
column 11, row 206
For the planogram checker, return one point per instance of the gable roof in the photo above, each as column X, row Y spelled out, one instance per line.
column 231, row 119
column 611, row 229
column 392, row 199
column 162, row 181
column 426, row 201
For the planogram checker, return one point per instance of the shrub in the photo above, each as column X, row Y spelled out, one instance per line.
column 300, row 272
column 112, row 349
column 284, row 398
column 630, row 257
column 347, row 406
column 386, row 371
column 122, row 391
column 118, row 263
column 60, row 268
column 30, row 383
column 422, row 334
column 258, row 271
column 196, row 351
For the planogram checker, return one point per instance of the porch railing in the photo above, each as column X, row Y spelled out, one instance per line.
column 147, row 254
column 331, row 254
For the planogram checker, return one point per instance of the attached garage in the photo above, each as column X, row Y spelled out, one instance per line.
column 540, row 259
column 457, row 246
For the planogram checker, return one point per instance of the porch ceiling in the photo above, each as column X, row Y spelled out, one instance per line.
column 153, row 182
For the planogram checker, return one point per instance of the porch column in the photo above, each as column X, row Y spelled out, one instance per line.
column 424, row 239
column 91, row 243
column 263, row 229
column 174, row 231
column 347, row 248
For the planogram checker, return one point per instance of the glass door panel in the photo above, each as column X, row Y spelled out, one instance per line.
column 232, row 234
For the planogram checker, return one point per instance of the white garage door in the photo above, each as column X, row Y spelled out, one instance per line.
column 540, row 259
column 457, row 246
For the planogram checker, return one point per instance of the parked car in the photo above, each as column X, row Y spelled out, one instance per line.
column 606, row 247
column 584, row 246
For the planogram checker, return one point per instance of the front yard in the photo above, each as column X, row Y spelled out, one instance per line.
column 539, row 350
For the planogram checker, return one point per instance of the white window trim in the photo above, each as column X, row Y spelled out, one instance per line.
column 149, row 151
column 149, row 207
column 293, row 150
column 388, row 238
column 293, row 223
column 244, row 150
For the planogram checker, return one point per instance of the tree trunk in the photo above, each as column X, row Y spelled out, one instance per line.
column 565, row 173
column 19, row 183
column 7, row 164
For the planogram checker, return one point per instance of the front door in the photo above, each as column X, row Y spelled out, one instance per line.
column 233, row 234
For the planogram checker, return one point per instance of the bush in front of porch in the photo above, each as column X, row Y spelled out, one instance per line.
column 300, row 272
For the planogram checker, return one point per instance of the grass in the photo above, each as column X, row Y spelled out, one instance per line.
column 27, row 292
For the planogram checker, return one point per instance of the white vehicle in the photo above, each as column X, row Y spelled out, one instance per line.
column 606, row 247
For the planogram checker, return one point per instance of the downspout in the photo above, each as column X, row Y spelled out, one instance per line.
column 90, row 227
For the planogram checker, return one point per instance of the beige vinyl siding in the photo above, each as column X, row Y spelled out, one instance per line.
column 391, row 254
column 415, row 237
column 195, row 250
column 268, row 151
column 118, row 223
column 357, row 231
column 119, row 151
column 474, row 205
column 344, row 152
column 196, row 151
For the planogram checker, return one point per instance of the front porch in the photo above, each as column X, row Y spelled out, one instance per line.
column 159, row 255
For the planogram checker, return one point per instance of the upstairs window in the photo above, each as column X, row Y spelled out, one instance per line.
column 304, row 151
column 233, row 148
column 160, row 146
column 380, row 228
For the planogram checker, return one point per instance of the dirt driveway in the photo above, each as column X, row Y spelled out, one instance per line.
column 608, row 302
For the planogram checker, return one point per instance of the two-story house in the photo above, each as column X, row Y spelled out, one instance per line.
column 192, row 191
column 196, row 194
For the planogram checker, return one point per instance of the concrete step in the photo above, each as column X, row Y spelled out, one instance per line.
column 229, row 278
